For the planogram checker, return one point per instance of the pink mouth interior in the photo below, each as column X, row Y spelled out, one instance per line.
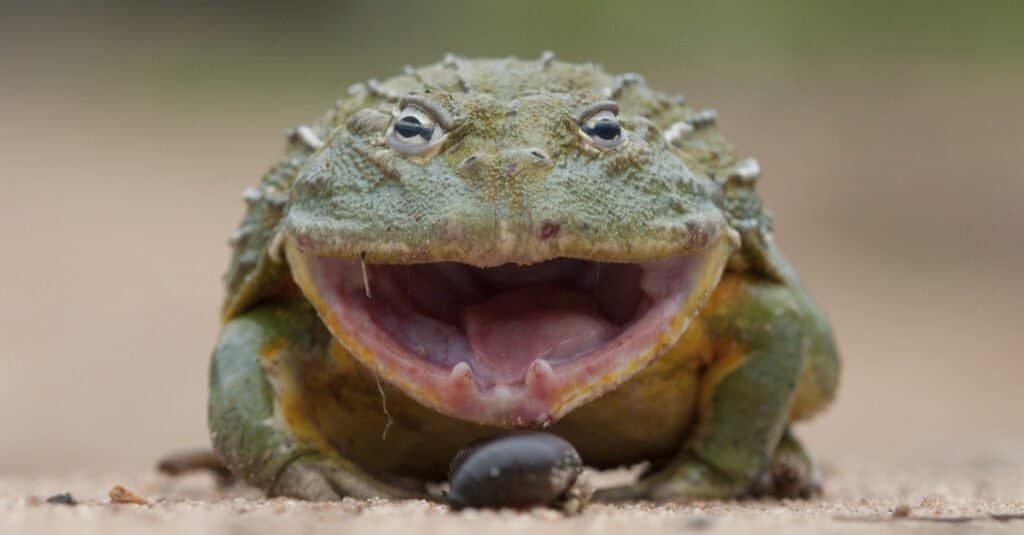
column 500, row 321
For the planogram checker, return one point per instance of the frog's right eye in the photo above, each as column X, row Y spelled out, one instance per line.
column 414, row 132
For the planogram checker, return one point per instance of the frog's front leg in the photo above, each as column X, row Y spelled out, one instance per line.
column 759, row 334
column 254, row 397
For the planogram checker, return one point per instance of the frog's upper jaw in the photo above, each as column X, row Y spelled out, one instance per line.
column 516, row 346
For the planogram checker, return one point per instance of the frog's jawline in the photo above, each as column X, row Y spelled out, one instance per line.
column 512, row 341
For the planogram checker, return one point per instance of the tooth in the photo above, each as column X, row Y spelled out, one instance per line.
column 539, row 374
column 461, row 374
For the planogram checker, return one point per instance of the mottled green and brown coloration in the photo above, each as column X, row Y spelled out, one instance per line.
column 512, row 172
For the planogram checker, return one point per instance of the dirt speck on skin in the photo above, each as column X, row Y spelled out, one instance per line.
column 119, row 494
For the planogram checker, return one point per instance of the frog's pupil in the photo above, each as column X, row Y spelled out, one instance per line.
column 410, row 127
column 606, row 129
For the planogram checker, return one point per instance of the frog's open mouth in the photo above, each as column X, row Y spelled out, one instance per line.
column 508, row 345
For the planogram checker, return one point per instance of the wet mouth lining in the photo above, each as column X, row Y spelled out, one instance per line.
column 506, row 325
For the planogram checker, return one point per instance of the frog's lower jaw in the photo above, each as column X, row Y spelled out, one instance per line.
column 515, row 346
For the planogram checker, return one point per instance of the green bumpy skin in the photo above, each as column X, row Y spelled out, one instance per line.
column 293, row 412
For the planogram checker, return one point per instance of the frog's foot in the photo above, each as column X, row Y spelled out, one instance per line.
column 307, row 480
column 319, row 478
column 791, row 474
column 686, row 479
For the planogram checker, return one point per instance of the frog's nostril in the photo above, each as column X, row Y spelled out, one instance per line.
column 539, row 155
column 469, row 162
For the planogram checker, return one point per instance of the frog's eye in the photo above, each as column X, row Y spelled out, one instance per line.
column 602, row 129
column 414, row 132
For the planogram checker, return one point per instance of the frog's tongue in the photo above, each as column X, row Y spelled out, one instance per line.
column 511, row 330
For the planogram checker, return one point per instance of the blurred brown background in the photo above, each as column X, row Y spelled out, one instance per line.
column 891, row 135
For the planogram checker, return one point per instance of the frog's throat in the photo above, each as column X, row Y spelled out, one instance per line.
column 515, row 346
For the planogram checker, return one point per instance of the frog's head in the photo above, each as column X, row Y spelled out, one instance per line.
column 503, row 253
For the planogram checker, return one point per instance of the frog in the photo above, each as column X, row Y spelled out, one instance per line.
column 478, row 247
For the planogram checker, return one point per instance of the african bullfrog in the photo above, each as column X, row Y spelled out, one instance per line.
column 479, row 246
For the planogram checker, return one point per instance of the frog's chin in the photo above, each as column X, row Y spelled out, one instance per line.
column 516, row 346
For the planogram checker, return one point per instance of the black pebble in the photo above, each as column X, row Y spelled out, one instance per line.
column 64, row 498
column 516, row 471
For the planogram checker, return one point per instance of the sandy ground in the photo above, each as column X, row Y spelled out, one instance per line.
column 970, row 492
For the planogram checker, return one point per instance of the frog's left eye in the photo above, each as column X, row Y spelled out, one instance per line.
column 602, row 129
column 414, row 132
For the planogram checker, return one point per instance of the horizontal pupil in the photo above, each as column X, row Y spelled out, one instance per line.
column 606, row 129
column 409, row 127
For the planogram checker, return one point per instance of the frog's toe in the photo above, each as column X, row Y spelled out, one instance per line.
column 305, row 481
column 792, row 473
column 624, row 493
column 784, row 479
column 187, row 461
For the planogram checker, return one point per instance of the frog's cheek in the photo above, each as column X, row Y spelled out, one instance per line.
column 516, row 346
